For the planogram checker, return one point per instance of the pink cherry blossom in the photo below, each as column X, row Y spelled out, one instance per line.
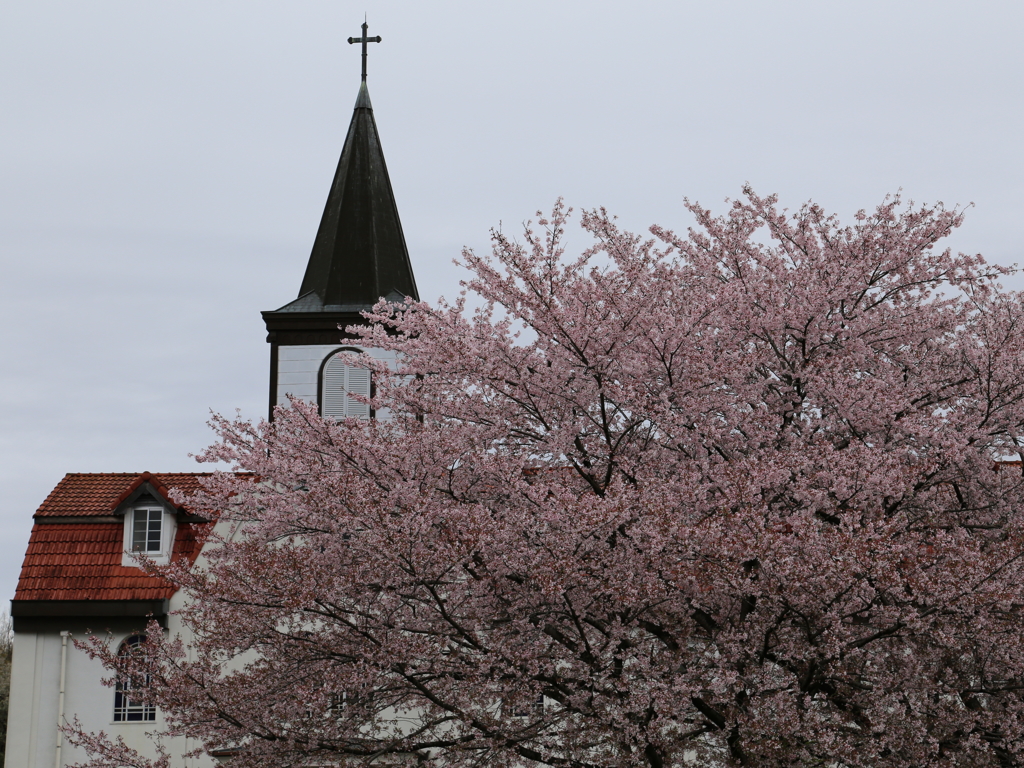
column 744, row 496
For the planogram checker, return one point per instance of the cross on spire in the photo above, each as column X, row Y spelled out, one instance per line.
column 364, row 40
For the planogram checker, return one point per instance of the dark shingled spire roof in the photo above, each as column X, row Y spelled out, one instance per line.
column 359, row 254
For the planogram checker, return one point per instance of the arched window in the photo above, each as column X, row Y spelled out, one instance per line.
column 339, row 381
column 126, row 710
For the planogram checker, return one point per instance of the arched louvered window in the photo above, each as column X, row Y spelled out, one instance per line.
column 126, row 709
column 339, row 383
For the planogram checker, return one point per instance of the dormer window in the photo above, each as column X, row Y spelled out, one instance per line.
column 341, row 386
column 147, row 530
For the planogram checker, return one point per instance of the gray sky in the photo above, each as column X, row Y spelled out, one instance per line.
column 163, row 167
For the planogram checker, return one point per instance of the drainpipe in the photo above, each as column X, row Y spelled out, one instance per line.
column 60, row 702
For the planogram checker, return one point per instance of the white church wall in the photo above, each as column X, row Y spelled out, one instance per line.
column 33, row 684
column 32, row 736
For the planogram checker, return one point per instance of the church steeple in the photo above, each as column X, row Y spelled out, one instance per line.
column 359, row 256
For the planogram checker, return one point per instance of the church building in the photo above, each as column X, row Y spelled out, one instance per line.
column 79, row 574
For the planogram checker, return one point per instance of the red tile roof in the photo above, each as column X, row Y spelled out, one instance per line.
column 82, row 560
column 82, row 494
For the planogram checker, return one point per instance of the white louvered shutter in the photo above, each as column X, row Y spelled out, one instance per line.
column 358, row 384
column 339, row 381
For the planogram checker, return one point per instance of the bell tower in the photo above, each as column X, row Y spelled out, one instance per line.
column 359, row 256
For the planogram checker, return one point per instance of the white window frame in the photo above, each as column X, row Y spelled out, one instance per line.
column 158, row 517
column 168, row 531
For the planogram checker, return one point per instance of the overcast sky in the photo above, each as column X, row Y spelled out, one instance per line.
column 163, row 168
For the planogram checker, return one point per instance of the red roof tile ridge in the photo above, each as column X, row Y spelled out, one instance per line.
column 98, row 493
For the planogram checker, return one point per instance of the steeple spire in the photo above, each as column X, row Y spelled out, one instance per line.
column 359, row 253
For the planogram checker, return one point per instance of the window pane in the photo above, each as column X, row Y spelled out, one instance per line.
column 146, row 529
column 139, row 531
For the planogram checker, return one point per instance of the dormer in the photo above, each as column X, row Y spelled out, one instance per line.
column 150, row 523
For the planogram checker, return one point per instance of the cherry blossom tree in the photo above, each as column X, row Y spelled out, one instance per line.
column 749, row 496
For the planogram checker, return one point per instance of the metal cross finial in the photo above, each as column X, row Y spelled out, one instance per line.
column 364, row 40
